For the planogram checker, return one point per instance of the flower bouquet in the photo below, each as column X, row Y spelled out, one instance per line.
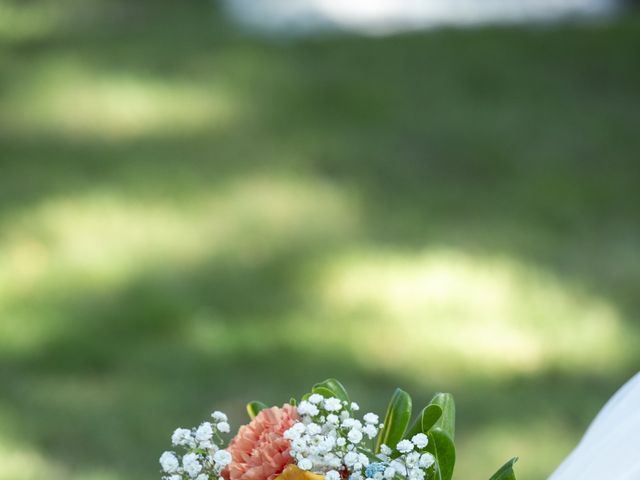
column 322, row 437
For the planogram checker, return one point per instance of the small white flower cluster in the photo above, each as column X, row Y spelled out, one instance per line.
column 328, row 438
column 408, row 462
column 204, row 459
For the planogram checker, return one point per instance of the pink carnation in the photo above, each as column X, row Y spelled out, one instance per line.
column 259, row 451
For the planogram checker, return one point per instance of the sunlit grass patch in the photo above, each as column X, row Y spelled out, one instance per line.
column 28, row 20
column 73, row 100
column 25, row 463
column 545, row 441
column 19, row 462
column 443, row 312
column 99, row 241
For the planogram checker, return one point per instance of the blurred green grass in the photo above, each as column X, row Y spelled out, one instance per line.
column 192, row 217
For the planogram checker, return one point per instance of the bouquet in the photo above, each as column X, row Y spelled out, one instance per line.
column 323, row 437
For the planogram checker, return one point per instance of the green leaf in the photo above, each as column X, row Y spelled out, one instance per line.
column 442, row 448
column 253, row 408
column 430, row 415
column 331, row 388
column 427, row 419
column 292, row 401
column 396, row 420
column 441, row 436
column 447, row 421
column 506, row 471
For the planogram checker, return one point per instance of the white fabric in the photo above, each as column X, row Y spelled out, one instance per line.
column 610, row 449
column 291, row 17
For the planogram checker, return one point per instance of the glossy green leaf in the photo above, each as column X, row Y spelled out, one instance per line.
column 442, row 448
column 396, row 420
column 447, row 421
column 427, row 419
column 253, row 408
column 325, row 392
column 430, row 416
column 331, row 388
column 506, row 471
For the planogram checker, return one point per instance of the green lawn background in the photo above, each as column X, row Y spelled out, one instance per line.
column 192, row 217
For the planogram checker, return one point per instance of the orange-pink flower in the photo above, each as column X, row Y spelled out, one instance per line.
column 259, row 451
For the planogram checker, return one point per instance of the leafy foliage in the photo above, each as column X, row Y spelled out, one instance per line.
column 253, row 408
column 506, row 471
column 437, row 421
column 425, row 420
column 396, row 419
column 331, row 388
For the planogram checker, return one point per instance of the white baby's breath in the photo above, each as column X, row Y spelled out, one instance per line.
column 352, row 423
column 350, row 459
column 313, row 429
column 332, row 404
column 182, row 437
column 420, row 440
column 191, row 464
column 332, row 475
column 169, row 462
column 371, row 418
column 416, row 474
column 222, row 458
column 307, row 408
column 426, row 460
column 329, row 438
column 305, row 464
column 370, row 431
column 201, row 445
column 203, row 435
column 219, row 416
column 404, row 446
column 354, row 435
column 223, row 427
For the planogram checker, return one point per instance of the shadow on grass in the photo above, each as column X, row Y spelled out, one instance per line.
column 105, row 389
column 510, row 142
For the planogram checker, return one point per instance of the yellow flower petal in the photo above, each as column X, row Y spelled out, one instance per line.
column 292, row 472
